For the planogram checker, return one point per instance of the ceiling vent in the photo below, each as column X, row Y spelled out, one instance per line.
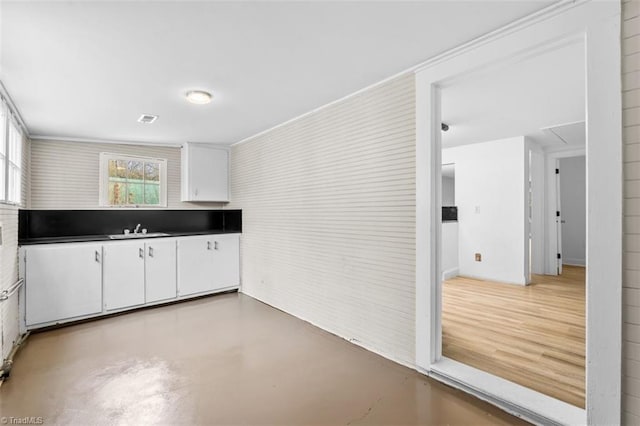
column 147, row 118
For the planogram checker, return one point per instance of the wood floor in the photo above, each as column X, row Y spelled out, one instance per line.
column 531, row 335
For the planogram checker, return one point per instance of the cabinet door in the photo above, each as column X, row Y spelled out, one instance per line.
column 160, row 270
column 195, row 265
column 123, row 275
column 226, row 261
column 208, row 170
column 62, row 282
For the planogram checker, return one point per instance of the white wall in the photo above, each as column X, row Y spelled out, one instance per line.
column 573, row 210
column 490, row 195
column 329, row 217
column 631, row 238
column 448, row 191
column 77, row 187
column 449, row 250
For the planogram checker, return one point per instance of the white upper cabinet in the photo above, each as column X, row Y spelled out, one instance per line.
column 205, row 172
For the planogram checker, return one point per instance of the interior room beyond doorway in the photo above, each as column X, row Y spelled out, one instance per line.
column 531, row 335
column 503, row 196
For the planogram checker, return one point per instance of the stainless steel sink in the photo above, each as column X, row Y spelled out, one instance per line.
column 131, row 235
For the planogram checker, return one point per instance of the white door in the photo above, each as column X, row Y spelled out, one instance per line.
column 226, row 260
column 123, row 274
column 195, row 265
column 160, row 270
column 62, row 282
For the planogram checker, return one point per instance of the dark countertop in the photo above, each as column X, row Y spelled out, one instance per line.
column 88, row 238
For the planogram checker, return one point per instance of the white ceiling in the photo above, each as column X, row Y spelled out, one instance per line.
column 88, row 70
column 519, row 99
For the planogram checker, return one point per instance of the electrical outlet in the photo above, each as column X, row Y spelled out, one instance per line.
column 478, row 257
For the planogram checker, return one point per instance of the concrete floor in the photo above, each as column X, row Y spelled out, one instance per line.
column 227, row 359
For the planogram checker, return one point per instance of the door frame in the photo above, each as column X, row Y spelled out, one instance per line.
column 536, row 171
column 597, row 25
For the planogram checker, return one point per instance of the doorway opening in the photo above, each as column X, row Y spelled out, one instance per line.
column 594, row 26
column 500, row 313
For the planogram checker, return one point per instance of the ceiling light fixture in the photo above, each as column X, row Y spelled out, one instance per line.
column 199, row 97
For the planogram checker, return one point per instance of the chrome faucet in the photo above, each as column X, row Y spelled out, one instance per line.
column 137, row 229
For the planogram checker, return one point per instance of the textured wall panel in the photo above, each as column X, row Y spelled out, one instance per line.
column 631, row 239
column 329, row 217
column 9, row 261
column 65, row 175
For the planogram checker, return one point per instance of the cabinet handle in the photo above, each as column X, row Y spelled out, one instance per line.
column 141, row 253
column 208, row 245
column 215, row 245
column 150, row 251
column 97, row 256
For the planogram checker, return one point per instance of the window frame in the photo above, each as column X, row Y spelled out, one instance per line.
column 3, row 153
column 8, row 161
column 103, row 199
column 13, row 162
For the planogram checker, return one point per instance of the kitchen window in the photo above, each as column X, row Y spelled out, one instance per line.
column 10, row 158
column 127, row 181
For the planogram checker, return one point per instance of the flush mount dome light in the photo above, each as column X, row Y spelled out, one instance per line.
column 199, row 97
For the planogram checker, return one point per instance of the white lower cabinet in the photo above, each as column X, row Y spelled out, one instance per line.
column 226, row 261
column 208, row 263
column 69, row 281
column 62, row 281
column 123, row 274
column 160, row 270
column 195, row 265
column 136, row 273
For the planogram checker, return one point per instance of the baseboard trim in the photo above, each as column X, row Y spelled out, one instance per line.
column 450, row 273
